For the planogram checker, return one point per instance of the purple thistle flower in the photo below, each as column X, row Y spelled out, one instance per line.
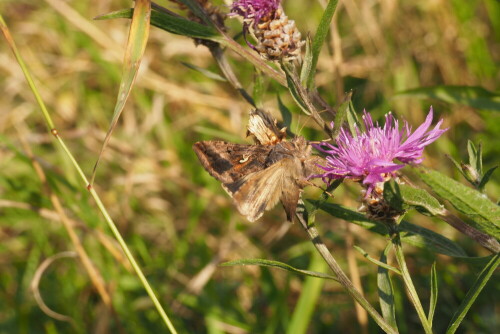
column 254, row 10
column 369, row 156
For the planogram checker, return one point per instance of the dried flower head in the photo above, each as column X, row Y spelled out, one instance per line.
column 368, row 157
column 277, row 36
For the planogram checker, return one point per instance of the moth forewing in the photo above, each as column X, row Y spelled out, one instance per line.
column 259, row 191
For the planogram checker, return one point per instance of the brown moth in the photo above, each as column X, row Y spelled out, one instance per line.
column 258, row 176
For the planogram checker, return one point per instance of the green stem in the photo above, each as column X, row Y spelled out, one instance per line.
column 412, row 292
column 109, row 221
column 342, row 277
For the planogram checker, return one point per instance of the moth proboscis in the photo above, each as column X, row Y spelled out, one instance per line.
column 258, row 176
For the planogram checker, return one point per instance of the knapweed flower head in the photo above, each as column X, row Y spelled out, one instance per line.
column 277, row 37
column 255, row 10
column 369, row 156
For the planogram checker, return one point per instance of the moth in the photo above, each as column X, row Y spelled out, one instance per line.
column 258, row 176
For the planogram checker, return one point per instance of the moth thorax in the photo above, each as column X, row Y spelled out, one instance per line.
column 278, row 38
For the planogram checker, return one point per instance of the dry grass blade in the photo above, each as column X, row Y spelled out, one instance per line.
column 36, row 282
column 136, row 44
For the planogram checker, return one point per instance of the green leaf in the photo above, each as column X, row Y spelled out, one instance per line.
column 472, row 294
column 279, row 265
column 306, row 68
column 386, row 291
column 319, row 39
column 414, row 235
column 434, row 294
column 486, row 177
column 341, row 114
column 473, row 96
column 205, row 72
column 474, row 156
column 136, row 45
column 402, row 197
column 309, row 295
column 286, row 115
column 470, row 202
column 258, row 88
column 296, row 90
column 377, row 262
column 173, row 24
column 421, row 237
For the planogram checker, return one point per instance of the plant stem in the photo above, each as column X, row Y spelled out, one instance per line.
column 412, row 292
column 343, row 279
column 69, row 155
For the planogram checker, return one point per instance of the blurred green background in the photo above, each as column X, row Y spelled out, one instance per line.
column 177, row 220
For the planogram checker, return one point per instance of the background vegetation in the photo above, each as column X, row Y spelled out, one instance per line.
column 177, row 219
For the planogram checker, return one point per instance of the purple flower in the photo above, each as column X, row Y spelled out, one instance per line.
column 369, row 156
column 254, row 10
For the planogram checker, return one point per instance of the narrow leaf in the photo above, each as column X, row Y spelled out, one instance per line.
column 434, row 294
column 295, row 89
column 286, row 115
column 279, row 265
column 136, row 44
column 386, row 291
column 412, row 234
column 470, row 202
column 205, row 72
column 402, row 197
column 168, row 22
column 472, row 294
column 341, row 114
column 473, row 96
column 319, row 38
column 486, row 177
column 473, row 156
column 258, row 88
column 306, row 68
column 309, row 295
column 421, row 237
column 377, row 262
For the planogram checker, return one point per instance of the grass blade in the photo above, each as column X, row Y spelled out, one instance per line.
column 311, row 290
column 319, row 39
column 136, row 44
column 279, row 265
column 472, row 294
column 386, row 291
column 434, row 294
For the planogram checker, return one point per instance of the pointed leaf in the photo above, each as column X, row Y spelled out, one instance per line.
column 136, row 44
column 473, row 156
column 414, row 235
column 377, row 262
column 341, row 114
column 258, row 88
column 472, row 294
column 171, row 23
column 306, row 68
column 309, row 295
column 470, row 202
column 402, row 197
column 286, row 115
column 319, row 38
column 473, row 96
column 486, row 177
column 279, row 265
column 386, row 291
column 205, row 72
column 434, row 294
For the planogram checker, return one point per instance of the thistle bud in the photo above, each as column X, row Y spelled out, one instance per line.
column 277, row 37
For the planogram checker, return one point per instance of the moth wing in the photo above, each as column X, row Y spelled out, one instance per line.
column 258, row 191
column 290, row 198
column 264, row 128
column 228, row 162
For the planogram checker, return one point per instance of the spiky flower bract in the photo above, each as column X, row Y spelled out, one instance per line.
column 369, row 156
